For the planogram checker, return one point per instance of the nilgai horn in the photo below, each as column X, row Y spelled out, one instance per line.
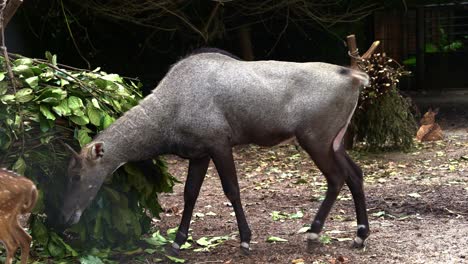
column 210, row 102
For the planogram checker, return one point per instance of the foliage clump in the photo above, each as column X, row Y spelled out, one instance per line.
column 383, row 118
column 52, row 104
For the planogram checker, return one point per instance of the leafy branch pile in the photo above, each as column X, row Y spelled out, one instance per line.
column 383, row 118
column 51, row 105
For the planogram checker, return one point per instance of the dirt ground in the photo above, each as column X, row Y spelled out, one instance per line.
column 417, row 204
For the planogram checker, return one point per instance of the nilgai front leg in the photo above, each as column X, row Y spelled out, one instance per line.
column 196, row 175
column 225, row 166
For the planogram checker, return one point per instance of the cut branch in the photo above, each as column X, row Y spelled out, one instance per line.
column 10, row 10
column 4, row 6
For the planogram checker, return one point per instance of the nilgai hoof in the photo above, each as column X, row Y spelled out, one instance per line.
column 358, row 243
column 245, row 248
column 312, row 241
column 173, row 250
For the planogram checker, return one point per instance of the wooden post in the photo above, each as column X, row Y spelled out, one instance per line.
column 355, row 57
column 353, row 50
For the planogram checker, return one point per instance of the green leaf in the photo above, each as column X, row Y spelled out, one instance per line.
column 90, row 260
column 23, row 61
column 203, row 241
column 175, row 260
column 75, row 103
column 80, row 120
column 7, row 98
column 20, row 166
column 276, row 239
column 325, row 239
column 150, row 250
column 277, row 215
column 95, row 103
column 39, row 231
column 46, row 112
column 32, row 81
column 83, row 137
column 24, row 95
column 55, row 246
column 51, row 58
column 24, row 71
column 157, row 239
column 45, row 124
column 112, row 78
column 52, row 95
column 2, row 76
column 94, row 116
column 3, row 88
column 5, row 139
column 297, row 215
column 107, row 121
column 62, row 109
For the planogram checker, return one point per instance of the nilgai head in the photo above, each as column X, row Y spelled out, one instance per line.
column 86, row 173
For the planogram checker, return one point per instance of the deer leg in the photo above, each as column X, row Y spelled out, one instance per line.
column 355, row 184
column 24, row 241
column 196, row 175
column 325, row 158
column 225, row 166
column 10, row 247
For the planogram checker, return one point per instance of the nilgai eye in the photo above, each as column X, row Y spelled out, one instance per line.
column 76, row 178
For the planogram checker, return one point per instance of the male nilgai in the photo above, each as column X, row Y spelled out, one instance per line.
column 210, row 102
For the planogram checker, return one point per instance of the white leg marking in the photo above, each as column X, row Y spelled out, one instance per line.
column 358, row 241
column 312, row 236
column 245, row 245
column 361, row 226
column 175, row 245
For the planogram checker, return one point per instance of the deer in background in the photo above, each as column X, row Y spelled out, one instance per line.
column 18, row 195
column 429, row 130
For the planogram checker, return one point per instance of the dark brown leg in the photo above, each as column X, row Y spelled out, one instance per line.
column 355, row 184
column 327, row 161
column 224, row 163
column 196, row 175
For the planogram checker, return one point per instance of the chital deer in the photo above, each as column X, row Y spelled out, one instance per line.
column 429, row 130
column 18, row 195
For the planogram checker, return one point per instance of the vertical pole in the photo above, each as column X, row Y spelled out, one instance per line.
column 420, row 47
column 353, row 51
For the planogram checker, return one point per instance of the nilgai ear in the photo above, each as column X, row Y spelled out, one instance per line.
column 96, row 151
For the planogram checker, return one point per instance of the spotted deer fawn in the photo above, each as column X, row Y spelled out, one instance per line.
column 18, row 195
column 429, row 130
